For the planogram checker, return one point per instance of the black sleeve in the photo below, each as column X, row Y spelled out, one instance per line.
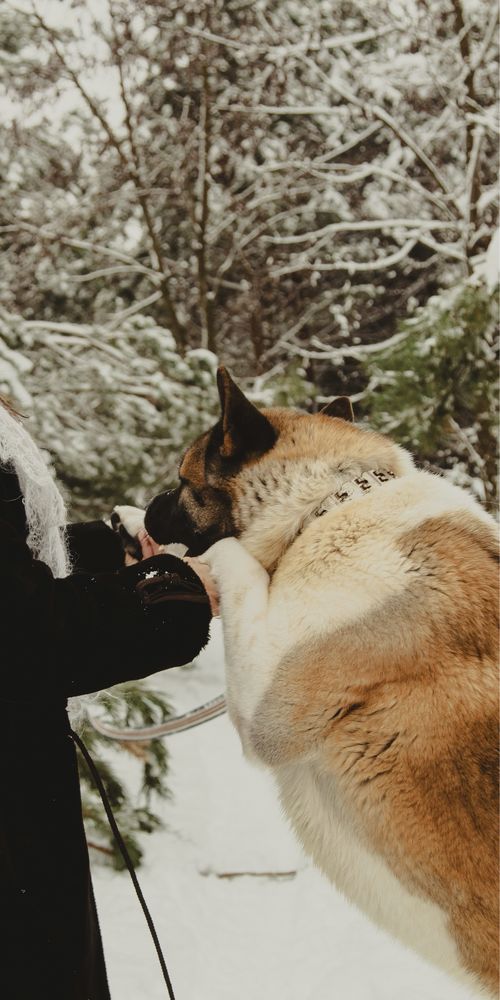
column 95, row 547
column 90, row 631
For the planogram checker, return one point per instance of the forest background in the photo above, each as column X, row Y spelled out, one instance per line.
column 304, row 190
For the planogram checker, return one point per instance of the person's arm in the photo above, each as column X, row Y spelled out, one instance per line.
column 94, row 547
column 90, row 631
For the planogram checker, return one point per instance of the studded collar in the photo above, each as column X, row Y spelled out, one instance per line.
column 360, row 486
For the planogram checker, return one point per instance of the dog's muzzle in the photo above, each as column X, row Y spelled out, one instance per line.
column 164, row 521
column 167, row 522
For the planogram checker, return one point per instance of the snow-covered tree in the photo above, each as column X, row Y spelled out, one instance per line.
column 261, row 174
column 116, row 407
column 435, row 390
column 134, row 704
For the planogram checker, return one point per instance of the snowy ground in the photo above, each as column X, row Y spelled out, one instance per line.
column 246, row 937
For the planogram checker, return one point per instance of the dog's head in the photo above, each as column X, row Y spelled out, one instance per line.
column 256, row 469
column 200, row 511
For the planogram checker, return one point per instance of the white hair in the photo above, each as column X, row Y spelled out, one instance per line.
column 43, row 503
column 45, row 513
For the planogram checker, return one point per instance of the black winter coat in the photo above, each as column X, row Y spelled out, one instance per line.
column 61, row 638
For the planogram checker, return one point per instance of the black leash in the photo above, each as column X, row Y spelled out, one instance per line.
column 96, row 777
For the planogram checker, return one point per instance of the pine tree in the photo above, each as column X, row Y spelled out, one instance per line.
column 129, row 705
column 436, row 390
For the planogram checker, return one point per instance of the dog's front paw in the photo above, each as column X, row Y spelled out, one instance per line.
column 223, row 554
column 231, row 564
column 127, row 522
column 216, row 551
column 131, row 518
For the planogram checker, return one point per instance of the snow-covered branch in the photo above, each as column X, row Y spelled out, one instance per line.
column 351, row 266
column 48, row 235
column 336, row 355
column 365, row 225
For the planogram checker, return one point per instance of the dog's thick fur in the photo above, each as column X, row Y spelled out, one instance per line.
column 361, row 650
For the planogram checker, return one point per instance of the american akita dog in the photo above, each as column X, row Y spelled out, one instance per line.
column 359, row 602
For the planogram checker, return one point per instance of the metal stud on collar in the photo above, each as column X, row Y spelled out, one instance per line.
column 351, row 490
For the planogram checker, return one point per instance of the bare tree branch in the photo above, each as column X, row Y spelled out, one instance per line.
column 351, row 266
column 177, row 328
column 338, row 354
column 362, row 226
column 205, row 295
column 131, row 169
column 335, row 41
column 48, row 234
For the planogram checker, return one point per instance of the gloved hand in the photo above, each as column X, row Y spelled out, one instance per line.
column 155, row 587
column 167, row 578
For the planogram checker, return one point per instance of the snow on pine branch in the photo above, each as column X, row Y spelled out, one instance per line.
column 227, row 177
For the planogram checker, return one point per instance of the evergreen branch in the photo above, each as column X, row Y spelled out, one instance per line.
column 100, row 847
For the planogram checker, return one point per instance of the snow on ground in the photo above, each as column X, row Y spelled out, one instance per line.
column 246, row 937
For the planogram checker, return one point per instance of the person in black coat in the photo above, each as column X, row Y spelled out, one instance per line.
column 65, row 637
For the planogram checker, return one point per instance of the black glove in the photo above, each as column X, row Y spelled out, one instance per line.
column 165, row 578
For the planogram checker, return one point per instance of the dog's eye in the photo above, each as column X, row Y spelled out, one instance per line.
column 197, row 497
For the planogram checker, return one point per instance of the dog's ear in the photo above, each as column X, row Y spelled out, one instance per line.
column 339, row 407
column 244, row 428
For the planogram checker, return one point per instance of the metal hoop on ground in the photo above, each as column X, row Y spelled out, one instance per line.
column 178, row 724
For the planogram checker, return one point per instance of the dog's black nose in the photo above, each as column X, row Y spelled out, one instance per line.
column 162, row 518
column 153, row 519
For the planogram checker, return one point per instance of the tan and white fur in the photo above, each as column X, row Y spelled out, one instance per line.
column 361, row 669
